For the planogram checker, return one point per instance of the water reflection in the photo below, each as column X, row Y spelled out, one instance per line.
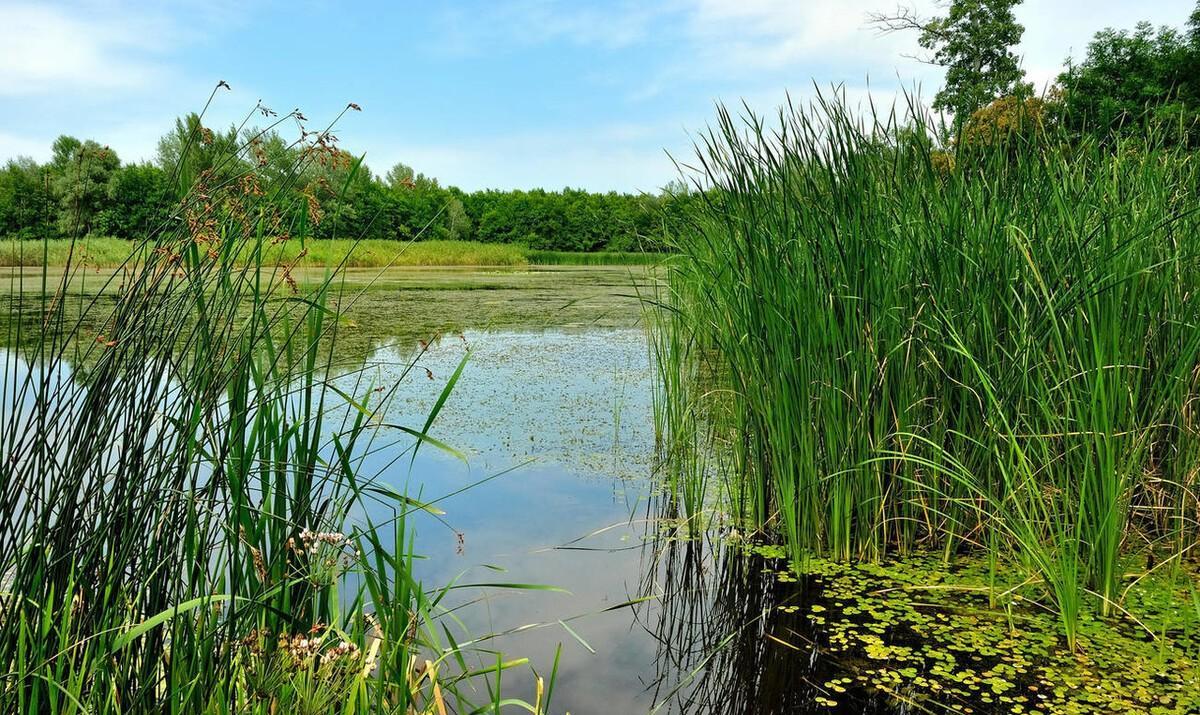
column 570, row 409
column 735, row 638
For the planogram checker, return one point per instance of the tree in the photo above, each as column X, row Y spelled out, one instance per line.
column 139, row 201
column 316, row 190
column 27, row 206
column 191, row 149
column 974, row 42
column 1006, row 122
column 276, row 161
column 82, row 185
column 1127, row 78
column 62, row 153
column 402, row 176
column 457, row 224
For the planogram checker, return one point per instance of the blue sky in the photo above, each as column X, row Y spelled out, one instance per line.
column 513, row 94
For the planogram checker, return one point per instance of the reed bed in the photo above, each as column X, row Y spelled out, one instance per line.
column 992, row 348
column 186, row 513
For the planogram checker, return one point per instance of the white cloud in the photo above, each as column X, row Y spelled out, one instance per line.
column 600, row 158
column 758, row 45
column 49, row 49
column 775, row 34
column 14, row 145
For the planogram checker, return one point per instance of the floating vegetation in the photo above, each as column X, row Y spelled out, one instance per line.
column 942, row 637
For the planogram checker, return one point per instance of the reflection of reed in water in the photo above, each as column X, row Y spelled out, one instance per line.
column 732, row 638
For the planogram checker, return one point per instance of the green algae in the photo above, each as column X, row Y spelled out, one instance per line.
column 938, row 637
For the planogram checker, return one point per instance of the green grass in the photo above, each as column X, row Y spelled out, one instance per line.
column 103, row 252
column 601, row 258
column 999, row 357
column 98, row 252
column 378, row 254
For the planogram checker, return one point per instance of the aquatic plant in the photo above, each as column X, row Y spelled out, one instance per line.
column 996, row 353
column 179, row 483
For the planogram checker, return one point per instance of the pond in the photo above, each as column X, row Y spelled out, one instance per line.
column 556, row 399
column 553, row 484
column 544, row 469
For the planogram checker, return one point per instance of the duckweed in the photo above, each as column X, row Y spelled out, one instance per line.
column 936, row 637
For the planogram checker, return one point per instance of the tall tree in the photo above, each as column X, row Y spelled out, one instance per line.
column 139, row 200
column 974, row 41
column 191, row 149
column 62, row 153
column 27, row 206
column 82, row 185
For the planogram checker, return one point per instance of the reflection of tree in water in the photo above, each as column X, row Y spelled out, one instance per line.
column 730, row 640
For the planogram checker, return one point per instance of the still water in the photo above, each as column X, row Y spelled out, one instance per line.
column 552, row 413
column 556, row 486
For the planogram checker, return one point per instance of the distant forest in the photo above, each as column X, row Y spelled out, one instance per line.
column 85, row 189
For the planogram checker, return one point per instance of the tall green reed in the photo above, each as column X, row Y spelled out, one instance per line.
column 182, row 484
column 993, row 349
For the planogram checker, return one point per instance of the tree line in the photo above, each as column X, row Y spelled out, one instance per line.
column 85, row 189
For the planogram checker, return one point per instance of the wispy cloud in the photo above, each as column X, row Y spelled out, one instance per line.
column 50, row 49
column 523, row 23
column 777, row 34
column 599, row 158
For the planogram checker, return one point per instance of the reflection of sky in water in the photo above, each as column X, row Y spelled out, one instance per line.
column 577, row 399
column 572, row 411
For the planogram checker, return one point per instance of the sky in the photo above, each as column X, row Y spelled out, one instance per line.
column 602, row 95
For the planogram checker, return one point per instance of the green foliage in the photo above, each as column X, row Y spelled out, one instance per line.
column 974, row 41
column 190, row 150
column 139, row 200
column 313, row 190
column 27, row 204
column 570, row 220
column 1133, row 82
column 83, row 170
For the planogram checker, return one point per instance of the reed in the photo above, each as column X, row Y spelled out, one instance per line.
column 598, row 258
column 993, row 349
column 180, row 481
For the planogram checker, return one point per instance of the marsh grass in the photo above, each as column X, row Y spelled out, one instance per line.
column 598, row 258
column 998, row 353
column 103, row 252
column 182, row 490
